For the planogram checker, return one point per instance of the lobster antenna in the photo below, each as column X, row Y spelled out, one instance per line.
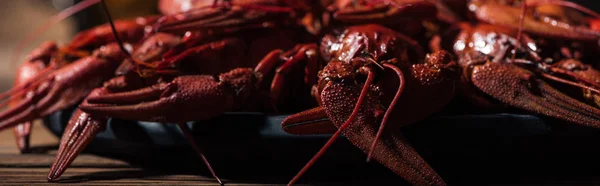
column 567, row 4
column 361, row 98
column 561, row 80
column 390, row 107
column 20, row 88
column 520, row 32
column 62, row 15
column 114, row 30
column 13, row 93
column 594, row 86
column 188, row 135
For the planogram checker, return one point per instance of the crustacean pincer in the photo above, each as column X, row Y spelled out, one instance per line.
column 197, row 65
column 520, row 79
column 55, row 68
column 60, row 88
column 377, row 76
column 35, row 62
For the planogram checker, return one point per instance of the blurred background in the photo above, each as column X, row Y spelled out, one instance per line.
column 19, row 17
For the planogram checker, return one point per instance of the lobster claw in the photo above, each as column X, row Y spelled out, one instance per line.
column 35, row 64
column 26, row 73
column 82, row 127
column 80, row 131
column 61, row 88
column 519, row 88
column 185, row 98
column 184, row 92
column 392, row 150
column 358, row 111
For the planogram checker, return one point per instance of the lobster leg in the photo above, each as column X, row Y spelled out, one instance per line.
column 186, row 98
column 63, row 87
column 36, row 62
column 304, row 54
column 158, row 102
column 188, row 135
column 129, row 30
column 22, row 131
column 388, row 11
column 313, row 121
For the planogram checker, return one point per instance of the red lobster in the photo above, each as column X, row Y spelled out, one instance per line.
column 154, row 103
column 60, row 81
column 495, row 66
column 172, row 61
column 367, row 64
column 56, row 78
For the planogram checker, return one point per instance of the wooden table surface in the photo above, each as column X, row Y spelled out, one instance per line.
column 87, row 169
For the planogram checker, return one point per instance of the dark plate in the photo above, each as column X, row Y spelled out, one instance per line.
column 494, row 148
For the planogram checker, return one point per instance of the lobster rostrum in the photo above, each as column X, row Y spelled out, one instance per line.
column 194, row 66
column 370, row 78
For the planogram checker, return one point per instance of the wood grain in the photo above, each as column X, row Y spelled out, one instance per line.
column 32, row 169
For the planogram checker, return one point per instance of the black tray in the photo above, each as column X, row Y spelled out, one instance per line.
column 491, row 148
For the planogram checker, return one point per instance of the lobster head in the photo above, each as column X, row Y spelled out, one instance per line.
column 374, row 78
column 361, row 50
column 522, row 79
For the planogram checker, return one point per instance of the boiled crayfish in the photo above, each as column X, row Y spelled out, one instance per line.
column 370, row 74
column 366, row 64
column 163, row 57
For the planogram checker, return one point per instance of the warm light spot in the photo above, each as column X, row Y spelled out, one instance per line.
column 479, row 44
column 472, row 7
column 532, row 46
column 186, row 5
column 486, row 50
column 459, row 45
